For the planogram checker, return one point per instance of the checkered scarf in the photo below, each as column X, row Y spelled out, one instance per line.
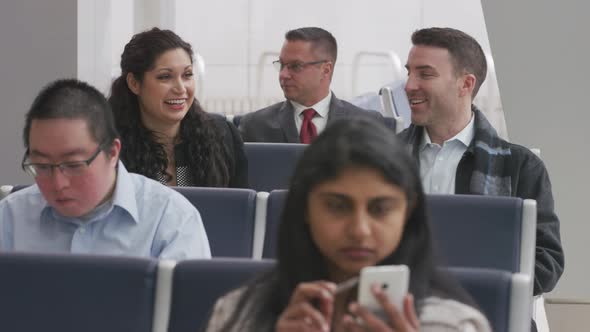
column 490, row 175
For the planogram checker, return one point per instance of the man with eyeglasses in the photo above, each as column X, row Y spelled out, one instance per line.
column 306, row 66
column 84, row 200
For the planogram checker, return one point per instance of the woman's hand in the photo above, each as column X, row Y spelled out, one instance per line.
column 406, row 321
column 310, row 308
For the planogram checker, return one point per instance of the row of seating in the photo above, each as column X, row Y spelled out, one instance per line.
column 99, row 293
column 469, row 230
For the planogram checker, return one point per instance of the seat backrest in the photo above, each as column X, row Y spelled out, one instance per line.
column 197, row 284
column 477, row 231
column 271, row 165
column 76, row 293
column 228, row 217
column 468, row 230
column 390, row 123
column 19, row 187
column 5, row 190
column 390, row 112
column 274, row 208
column 491, row 290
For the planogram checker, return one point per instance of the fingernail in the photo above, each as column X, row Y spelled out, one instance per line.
column 352, row 307
column 332, row 287
column 326, row 294
column 325, row 327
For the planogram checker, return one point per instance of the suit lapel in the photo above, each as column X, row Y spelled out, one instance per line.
column 336, row 110
column 286, row 120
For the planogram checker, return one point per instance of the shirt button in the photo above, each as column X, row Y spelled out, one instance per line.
column 441, row 158
column 82, row 230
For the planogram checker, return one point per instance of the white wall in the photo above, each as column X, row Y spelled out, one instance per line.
column 232, row 35
column 542, row 50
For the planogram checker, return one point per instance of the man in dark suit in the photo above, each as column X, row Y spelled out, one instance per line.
column 305, row 65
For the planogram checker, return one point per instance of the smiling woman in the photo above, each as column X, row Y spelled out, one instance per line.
column 165, row 133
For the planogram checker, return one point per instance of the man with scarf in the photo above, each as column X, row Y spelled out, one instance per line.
column 457, row 149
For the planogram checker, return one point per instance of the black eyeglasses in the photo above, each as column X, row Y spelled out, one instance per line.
column 69, row 168
column 295, row 67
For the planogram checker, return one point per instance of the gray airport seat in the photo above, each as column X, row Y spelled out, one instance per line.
column 501, row 295
column 228, row 217
column 76, row 293
column 197, row 284
column 270, row 165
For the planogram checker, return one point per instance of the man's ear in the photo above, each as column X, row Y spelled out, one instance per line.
column 467, row 85
column 114, row 151
column 328, row 69
column 133, row 83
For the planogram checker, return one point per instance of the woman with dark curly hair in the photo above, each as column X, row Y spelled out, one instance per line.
column 166, row 135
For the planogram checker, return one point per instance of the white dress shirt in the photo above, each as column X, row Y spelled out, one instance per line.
column 321, row 108
column 438, row 164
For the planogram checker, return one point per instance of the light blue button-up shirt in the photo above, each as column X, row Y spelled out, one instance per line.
column 144, row 218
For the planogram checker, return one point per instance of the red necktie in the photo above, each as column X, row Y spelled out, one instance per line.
column 308, row 131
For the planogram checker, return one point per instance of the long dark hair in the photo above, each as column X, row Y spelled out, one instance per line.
column 343, row 144
column 141, row 153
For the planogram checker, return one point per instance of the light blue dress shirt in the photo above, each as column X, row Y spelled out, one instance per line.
column 144, row 218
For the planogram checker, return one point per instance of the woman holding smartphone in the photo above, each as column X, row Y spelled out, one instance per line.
column 355, row 201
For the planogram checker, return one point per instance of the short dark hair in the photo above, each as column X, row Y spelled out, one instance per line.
column 320, row 39
column 466, row 53
column 74, row 99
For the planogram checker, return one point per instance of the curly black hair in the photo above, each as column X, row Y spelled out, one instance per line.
column 141, row 153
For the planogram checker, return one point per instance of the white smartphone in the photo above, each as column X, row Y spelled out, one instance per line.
column 393, row 279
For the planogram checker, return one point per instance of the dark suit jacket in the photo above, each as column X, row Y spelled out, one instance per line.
column 276, row 123
column 234, row 150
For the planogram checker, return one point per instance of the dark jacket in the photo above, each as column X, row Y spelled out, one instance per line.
column 276, row 123
column 493, row 166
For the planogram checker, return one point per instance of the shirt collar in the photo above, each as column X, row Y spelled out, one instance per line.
column 465, row 136
column 322, row 107
column 124, row 194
